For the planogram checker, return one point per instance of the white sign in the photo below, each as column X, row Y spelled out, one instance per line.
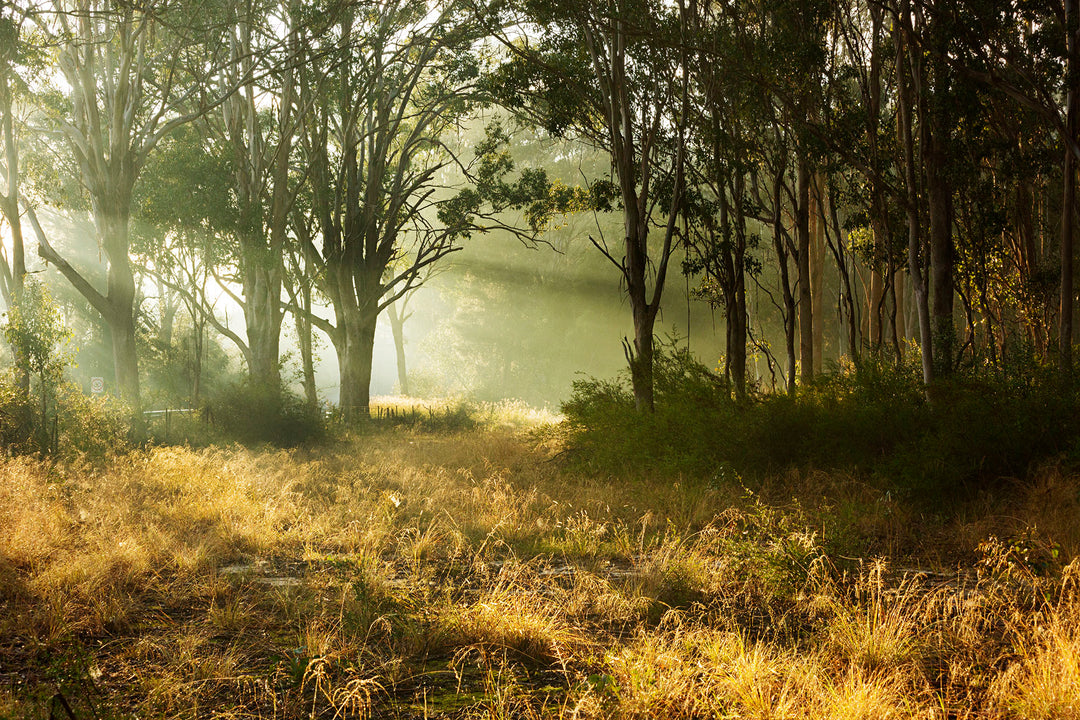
column 97, row 385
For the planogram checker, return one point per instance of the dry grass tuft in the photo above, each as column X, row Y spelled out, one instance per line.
column 1044, row 679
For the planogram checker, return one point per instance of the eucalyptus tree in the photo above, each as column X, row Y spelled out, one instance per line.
column 257, row 124
column 614, row 74
column 1029, row 53
column 132, row 73
column 909, row 80
column 396, row 78
column 13, row 269
column 728, row 113
column 184, row 217
column 860, row 112
column 301, row 282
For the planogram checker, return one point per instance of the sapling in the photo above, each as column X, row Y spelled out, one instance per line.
column 36, row 332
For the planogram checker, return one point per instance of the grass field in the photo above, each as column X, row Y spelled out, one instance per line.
column 481, row 573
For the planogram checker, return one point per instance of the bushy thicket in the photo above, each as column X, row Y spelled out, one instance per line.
column 76, row 424
column 250, row 413
column 876, row 419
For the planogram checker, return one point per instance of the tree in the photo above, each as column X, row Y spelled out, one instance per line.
column 186, row 215
column 36, row 331
column 257, row 125
column 13, row 51
column 724, row 148
column 614, row 74
column 127, row 70
column 378, row 107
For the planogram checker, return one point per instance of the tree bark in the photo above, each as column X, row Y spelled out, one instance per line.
column 780, row 246
column 307, row 352
column 396, row 312
column 907, row 60
column 1068, row 211
column 355, row 367
column 806, row 300
column 736, row 306
column 111, row 205
column 835, row 243
column 817, row 273
column 14, row 276
column 939, row 201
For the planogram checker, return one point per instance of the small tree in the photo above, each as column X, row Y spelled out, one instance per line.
column 36, row 331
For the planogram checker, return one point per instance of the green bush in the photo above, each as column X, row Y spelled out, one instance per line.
column 874, row 420
column 16, row 418
column 77, row 425
column 89, row 426
column 250, row 413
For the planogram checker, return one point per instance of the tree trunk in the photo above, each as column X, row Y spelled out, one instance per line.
column 111, row 218
column 640, row 357
column 736, row 316
column 874, row 305
column 198, row 330
column 307, row 353
column 355, row 367
column 939, row 200
column 262, row 316
column 847, row 300
column 785, row 280
column 167, row 309
column 396, row 312
column 900, row 330
column 1068, row 212
column 15, row 275
column 806, row 302
column 908, row 59
column 817, row 277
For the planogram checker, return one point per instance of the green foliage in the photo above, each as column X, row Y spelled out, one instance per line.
column 89, row 427
column 874, row 420
column 37, row 335
column 533, row 193
column 35, row 330
column 16, row 417
column 250, row 413
column 85, row 427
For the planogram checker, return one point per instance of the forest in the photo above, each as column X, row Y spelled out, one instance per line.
column 539, row 359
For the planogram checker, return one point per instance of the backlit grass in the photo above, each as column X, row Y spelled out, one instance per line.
column 472, row 573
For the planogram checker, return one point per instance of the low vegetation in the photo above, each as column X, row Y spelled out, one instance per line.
column 484, row 571
column 875, row 420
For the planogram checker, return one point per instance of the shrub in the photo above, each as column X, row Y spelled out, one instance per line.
column 16, row 418
column 875, row 420
column 251, row 413
column 84, row 426
column 89, row 426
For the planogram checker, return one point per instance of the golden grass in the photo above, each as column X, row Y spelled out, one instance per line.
column 387, row 575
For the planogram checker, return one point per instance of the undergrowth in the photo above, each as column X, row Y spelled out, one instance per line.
column 412, row 574
column 874, row 420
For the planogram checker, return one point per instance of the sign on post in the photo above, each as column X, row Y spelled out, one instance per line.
column 97, row 385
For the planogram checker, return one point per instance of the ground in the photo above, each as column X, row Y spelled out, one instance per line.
column 488, row 573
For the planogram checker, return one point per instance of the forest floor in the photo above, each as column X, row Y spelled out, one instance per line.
column 481, row 573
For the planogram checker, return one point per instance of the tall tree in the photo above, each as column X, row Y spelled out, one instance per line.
column 12, row 270
column 399, row 81
column 258, row 124
column 613, row 73
column 126, row 69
